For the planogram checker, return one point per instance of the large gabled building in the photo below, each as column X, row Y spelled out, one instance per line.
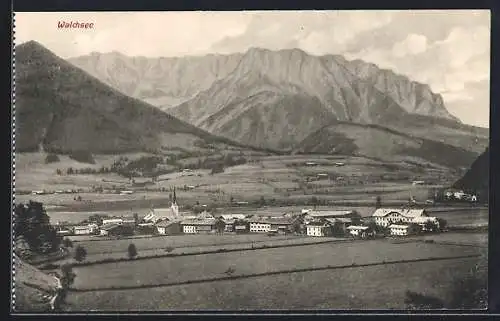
column 387, row 216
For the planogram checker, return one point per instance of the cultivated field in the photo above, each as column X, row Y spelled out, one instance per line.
column 98, row 250
column 380, row 286
column 280, row 178
column 375, row 287
column 178, row 269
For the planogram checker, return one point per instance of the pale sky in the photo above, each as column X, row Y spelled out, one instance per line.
column 447, row 49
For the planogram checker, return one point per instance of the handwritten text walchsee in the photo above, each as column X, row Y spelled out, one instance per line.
column 74, row 25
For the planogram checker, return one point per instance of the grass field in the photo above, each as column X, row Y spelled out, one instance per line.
column 372, row 287
column 162, row 270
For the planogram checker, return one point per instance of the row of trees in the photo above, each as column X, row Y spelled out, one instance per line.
column 32, row 223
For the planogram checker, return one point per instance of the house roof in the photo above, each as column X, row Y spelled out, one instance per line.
column 338, row 220
column 408, row 212
column 81, row 227
column 398, row 226
column 329, row 213
column 423, row 219
column 272, row 220
column 110, row 226
column 209, row 221
column 233, row 216
column 229, row 221
column 315, row 224
column 357, row 227
column 164, row 223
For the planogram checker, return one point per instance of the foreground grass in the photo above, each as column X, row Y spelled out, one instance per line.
column 372, row 287
column 189, row 268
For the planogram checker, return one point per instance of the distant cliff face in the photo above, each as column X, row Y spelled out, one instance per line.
column 164, row 82
column 167, row 82
column 278, row 98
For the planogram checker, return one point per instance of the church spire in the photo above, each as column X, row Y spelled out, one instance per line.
column 174, row 201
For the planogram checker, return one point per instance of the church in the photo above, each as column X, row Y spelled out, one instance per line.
column 171, row 213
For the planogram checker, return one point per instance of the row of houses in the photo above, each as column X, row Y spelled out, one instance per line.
column 398, row 221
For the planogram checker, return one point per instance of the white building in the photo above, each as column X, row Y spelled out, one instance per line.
column 317, row 229
column 399, row 230
column 423, row 220
column 387, row 216
column 194, row 226
column 361, row 231
column 112, row 221
column 233, row 216
column 81, row 230
column 260, row 227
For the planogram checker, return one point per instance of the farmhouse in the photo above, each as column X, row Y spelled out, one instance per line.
column 112, row 221
column 241, row 226
column 63, row 232
column 313, row 215
column 401, row 230
column 318, row 229
column 108, row 228
column 423, row 221
column 169, row 228
column 264, row 225
column 194, row 226
column 387, row 216
column 360, row 231
column 229, row 227
column 233, row 216
column 81, row 230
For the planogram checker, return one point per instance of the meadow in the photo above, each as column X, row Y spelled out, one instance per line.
column 368, row 287
column 186, row 268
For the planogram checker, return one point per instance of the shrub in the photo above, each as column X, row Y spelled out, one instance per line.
column 82, row 157
column 80, row 253
column 51, row 158
column 132, row 251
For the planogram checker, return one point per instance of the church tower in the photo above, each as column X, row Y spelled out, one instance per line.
column 174, row 207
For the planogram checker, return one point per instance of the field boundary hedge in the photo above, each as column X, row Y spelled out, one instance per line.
column 253, row 275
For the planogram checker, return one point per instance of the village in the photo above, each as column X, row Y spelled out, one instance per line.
column 394, row 222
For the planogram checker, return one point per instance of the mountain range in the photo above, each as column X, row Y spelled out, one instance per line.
column 276, row 99
column 60, row 108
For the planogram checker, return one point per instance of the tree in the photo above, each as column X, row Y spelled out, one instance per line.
column 136, row 218
column 67, row 243
column 80, row 253
column 378, row 202
column 262, row 201
column 314, row 201
column 220, row 225
column 431, row 226
column 33, row 224
column 169, row 249
column 132, row 251
column 442, row 223
column 68, row 276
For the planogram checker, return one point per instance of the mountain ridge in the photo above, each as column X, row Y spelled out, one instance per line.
column 61, row 108
column 80, row 61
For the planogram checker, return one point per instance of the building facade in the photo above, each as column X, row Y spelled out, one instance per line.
column 387, row 216
column 318, row 229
